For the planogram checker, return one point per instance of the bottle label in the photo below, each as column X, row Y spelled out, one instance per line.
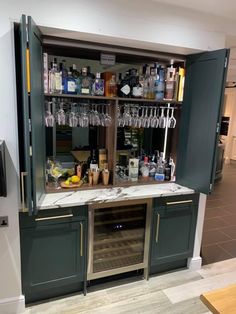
column 58, row 81
column 137, row 91
column 93, row 167
column 71, row 86
column 125, row 89
column 99, row 87
column 85, row 91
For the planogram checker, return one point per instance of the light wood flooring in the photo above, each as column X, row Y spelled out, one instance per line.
column 175, row 293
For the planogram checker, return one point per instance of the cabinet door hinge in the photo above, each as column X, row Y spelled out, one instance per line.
column 30, row 150
column 210, row 187
column 226, row 62
column 30, row 125
column 218, row 127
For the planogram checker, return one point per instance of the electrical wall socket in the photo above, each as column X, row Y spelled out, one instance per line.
column 4, row 221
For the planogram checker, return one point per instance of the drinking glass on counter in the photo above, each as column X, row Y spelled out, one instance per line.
column 56, row 171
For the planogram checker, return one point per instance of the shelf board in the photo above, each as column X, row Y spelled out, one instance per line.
column 135, row 100
column 80, row 96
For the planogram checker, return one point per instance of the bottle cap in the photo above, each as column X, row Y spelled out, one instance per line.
column 98, row 75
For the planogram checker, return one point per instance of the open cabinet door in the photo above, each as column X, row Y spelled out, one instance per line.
column 33, row 121
column 201, row 111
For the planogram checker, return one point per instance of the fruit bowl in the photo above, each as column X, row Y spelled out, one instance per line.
column 71, row 185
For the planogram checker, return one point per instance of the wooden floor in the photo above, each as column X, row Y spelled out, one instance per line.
column 175, row 293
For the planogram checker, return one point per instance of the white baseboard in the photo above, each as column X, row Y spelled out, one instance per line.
column 12, row 305
column 195, row 263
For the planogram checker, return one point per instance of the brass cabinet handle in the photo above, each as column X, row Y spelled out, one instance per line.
column 179, row 202
column 157, row 227
column 81, row 238
column 23, row 175
column 54, row 217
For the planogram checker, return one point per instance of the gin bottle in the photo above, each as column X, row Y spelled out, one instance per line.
column 70, row 84
column 86, row 83
column 55, row 79
column 98, row 85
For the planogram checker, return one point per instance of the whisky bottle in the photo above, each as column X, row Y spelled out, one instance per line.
column 112, row 88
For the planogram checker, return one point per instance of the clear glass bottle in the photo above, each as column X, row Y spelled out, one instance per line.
column 160, row 83
column 86, row 83
column 98, row 85
column 170, row 81
column 145, row 168
column 152, row 79
column 112, row 87
column 55, row 79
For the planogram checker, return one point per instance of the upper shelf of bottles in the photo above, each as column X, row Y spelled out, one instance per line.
column 113, row 98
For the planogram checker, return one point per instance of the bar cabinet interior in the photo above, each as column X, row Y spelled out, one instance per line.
column 194, row 145
column 200, row 113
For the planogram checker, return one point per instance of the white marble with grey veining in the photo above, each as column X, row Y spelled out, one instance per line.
column 77, row 198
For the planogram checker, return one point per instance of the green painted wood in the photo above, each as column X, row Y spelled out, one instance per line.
column 25, row 116
column 79, row 213
column 51, row 259
column 176, row 232
column 205, row 81
column 37, row 112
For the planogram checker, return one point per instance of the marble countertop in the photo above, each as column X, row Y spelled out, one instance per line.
column 77, row 198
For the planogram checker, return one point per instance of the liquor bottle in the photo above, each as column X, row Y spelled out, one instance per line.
column 86, row 83
column 64, row 74
column 98, row 85
column 160, row 174
column 145, row 168
column 55, row 79
column 152, row 79
column 146, row 82
column 70, row 84
column 132, row 78
column 74, row 71
column 160, row 83
column 112, row 88
column 125, row 89
column 137, row 88
column 90, row 74
column 170, row 82
column 118, row 84
column 167, row 170
column 93, row 161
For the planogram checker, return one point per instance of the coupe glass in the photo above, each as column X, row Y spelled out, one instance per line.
column 56, row 171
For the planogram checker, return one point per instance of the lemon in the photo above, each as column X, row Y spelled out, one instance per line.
column 67, row 182
column 75, row 179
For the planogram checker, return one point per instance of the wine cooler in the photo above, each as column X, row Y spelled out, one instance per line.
column 119, row 235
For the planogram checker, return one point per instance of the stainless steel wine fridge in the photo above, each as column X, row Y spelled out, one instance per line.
column 119, row 235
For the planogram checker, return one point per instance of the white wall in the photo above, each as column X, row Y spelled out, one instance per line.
column 230, row 111
column 118, row 21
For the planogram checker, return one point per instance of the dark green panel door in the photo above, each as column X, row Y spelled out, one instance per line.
column 204, row 88
column 173, row 230
column 53, row 259
column 25, row 116
column 37, row 111
column 32, row 113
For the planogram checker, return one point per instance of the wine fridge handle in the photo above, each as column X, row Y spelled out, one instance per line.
column 22, row 176
column 81, row 238
column 157, row 227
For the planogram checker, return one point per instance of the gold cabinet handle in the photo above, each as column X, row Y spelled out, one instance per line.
column 157, row 227
column 54, row 217
column 23, row 175
column 179, row 202
column 81, row 238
